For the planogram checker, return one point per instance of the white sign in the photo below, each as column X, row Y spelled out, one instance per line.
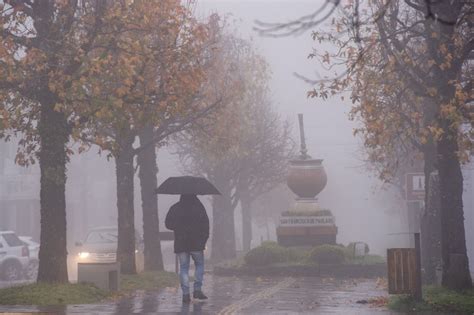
column 306, row 221
column 418, row 183
column 415, row 186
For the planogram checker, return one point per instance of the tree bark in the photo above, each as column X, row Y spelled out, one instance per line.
column 453, row 239
column 54, row 134
column 126, row 219
column 430, row 221
column 148, row 183
column 431, row 231
column 223, row 227
column 246, row 206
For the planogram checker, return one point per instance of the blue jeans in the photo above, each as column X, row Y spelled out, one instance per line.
column 184, row 259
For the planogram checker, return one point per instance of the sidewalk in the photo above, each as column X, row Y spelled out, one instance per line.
column 230, row 295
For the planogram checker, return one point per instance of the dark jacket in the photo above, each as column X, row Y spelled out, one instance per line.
column 188, row 219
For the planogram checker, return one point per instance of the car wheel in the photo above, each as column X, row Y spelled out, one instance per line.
column 31, row 272
column 11, row 271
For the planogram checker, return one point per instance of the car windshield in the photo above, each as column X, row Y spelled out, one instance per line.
column 12, row 240
column 98, row 237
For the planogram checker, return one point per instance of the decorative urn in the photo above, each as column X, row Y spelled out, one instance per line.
column 306, row 178
column 305, row 223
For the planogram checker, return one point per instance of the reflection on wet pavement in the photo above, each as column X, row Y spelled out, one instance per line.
column 248, row 295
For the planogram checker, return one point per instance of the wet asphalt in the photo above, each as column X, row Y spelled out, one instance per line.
column 245, row 295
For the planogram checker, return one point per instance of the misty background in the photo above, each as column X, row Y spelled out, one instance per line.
column 365, row 209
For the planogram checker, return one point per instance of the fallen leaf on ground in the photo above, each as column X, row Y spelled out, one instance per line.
column 379, row 301
column 381, row 283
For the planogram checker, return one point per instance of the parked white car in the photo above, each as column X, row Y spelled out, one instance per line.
column 14, row 256
column 33, row 246
column 31, row 271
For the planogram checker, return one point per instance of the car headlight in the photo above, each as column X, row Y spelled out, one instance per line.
column 83, row 255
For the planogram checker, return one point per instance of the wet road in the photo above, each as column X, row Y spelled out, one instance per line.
column 246, row 295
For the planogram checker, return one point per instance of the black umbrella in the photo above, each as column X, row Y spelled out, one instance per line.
column 187, row 185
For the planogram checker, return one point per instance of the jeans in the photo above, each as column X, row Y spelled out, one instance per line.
column 184, row 259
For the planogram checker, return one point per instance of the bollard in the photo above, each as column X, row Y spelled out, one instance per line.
column 176, row 264
column 418, row 292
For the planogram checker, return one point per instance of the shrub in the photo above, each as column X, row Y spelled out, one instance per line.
column 297, row 254
column 327, row 254
column 269, row 243
column 266, row 254
column 350, row 249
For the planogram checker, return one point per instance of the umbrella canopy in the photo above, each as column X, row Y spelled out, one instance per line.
column 187, row 185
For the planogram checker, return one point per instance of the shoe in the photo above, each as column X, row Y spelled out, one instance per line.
column 199, row 295
column 186, row 298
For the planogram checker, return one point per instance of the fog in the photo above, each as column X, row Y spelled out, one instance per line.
column 365, row 209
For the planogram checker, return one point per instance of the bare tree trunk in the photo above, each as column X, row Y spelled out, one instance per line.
column 223, row 226
column 126, row 219
column 246, row 205
column 148, row 183
column 430, row 221
column 431, row 231
column 54, row 135
column 453, row 239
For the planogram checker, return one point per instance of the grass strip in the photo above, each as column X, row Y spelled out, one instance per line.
column 435, row 299
column 51, row 294
column 45, row 294
column 148, row 281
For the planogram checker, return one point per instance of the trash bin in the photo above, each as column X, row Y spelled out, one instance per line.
column 105, row 276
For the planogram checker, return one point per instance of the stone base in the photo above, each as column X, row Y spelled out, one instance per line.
column 305, row 205
column 306, row 235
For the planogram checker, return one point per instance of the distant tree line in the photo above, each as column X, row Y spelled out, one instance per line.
column 407, row 65
column 125, row 76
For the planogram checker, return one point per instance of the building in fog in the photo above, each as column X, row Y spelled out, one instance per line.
column 90, row 194
column 19, row 194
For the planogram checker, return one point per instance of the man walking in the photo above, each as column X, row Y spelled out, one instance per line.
column 190, row 223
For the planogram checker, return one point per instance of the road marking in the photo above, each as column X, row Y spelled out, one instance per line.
column 263, row 294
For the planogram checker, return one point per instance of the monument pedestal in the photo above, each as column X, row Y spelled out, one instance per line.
column 306, row 225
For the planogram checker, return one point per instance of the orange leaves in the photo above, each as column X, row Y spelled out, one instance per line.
column 432, row 91
column 4, row 117
column 405, row 87
column 121, row 91
column 147, row 68
column 436, row 132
